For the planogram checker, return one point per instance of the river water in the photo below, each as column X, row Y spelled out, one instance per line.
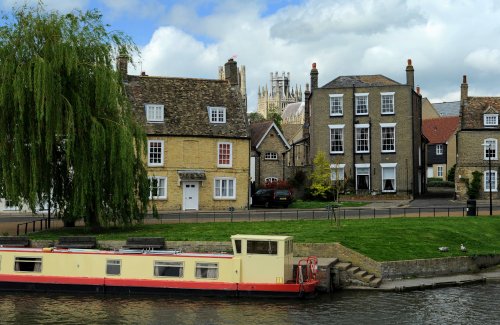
column 474, row 304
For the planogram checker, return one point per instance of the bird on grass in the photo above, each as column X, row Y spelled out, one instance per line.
column 463, row 248
column 443, row 249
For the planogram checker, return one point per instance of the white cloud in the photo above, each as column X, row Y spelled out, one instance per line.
column 484, row 59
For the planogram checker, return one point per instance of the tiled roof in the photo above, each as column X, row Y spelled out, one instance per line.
column 290, row 131
column 258, row 131
column 439, row 130
column 361, row 81
column 448, row 108
column 475, row 107
column 185, row 103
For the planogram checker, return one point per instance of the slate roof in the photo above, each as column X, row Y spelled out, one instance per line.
column 361, row 81
column 439, row 130
column 448, row 108
column 185, row 103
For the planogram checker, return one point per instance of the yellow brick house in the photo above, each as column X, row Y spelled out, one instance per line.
column 198, row 143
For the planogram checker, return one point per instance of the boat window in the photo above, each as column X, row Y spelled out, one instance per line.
column 207, row 270
column 288, row 247
column 237, row 243
column 28, row 264
column 113, row 267
column 166, row 268
column 262, row 247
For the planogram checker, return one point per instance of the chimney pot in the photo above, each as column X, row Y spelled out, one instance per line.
column 464, row 79
column 314, row 65
column 418, row 90
column 409, row 61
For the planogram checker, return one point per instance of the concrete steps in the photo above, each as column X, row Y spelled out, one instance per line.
column 358, row 275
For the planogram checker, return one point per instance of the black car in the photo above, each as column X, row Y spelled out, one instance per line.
column 269, row 197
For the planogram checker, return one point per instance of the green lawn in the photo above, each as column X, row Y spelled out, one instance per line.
column 380, row 239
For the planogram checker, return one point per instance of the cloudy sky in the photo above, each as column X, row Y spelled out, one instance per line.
column 445, row 39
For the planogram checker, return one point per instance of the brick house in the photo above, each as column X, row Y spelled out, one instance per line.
column 370, row 128
column 442, row 146
column 268, row 153
column 477, row 142
column 198, row 146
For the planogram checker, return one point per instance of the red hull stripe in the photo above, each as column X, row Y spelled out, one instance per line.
column 168, row 284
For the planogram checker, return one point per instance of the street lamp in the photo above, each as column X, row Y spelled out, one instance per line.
column 488, row 153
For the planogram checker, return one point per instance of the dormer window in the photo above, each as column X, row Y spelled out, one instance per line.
column 217, row 114
column 154, row 113
column 490, row 119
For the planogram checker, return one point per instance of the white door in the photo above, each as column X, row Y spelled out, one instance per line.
column 190, row 195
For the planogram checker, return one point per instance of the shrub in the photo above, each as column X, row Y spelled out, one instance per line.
column 441, row 183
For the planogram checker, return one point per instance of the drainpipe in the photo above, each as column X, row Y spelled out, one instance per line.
column 354, row 137
column 370, row 154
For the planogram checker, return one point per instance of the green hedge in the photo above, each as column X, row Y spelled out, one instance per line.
column 440, row 183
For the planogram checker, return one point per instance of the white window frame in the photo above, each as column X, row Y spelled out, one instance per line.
column 336, row 127
column 164, row 187
column 336, row 104
column 439, row 171
column 207, row 271
column 271, row 179
column 490, row 119
column 154, row 113
column 494, row 147
column 387, row 108
column 270, row 155
column 359, row 140
column 222, row 165
column 494, row 187
column 387, row 125
column 216, row 114
column 358, row 98
column 219, row 188
column 358, row 173
column 162, row 153
column 384, row 166
column 111, row 265
column 439, row 149
column 337, row 169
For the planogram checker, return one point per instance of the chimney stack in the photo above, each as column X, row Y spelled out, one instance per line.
column 464, row 90
column 122, row 65
column 410, row 79
column 314, row 77
column 231, row 72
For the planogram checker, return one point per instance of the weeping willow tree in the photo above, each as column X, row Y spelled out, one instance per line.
column 67, row 133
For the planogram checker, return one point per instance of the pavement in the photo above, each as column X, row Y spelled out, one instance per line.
column 487, row 275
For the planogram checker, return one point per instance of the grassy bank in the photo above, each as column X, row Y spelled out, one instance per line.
column 380, row 239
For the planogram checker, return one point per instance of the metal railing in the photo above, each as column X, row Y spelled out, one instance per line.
column 44, row 224
column 285, row 214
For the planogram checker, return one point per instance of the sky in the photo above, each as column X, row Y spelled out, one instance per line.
column 445, row 39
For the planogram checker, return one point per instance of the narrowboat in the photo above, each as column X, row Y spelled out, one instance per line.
column 260, row 266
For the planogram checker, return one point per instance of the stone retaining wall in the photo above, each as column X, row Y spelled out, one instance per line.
column 436, row 266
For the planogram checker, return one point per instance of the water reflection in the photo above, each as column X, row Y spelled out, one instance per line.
column 477, row 304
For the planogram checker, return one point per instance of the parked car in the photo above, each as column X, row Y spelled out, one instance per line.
column 269, row 197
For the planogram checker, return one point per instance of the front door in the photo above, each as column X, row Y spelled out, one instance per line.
column 190, row 195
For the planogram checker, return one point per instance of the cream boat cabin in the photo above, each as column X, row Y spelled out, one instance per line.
column 259, row 266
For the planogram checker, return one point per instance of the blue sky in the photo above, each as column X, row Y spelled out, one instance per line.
column 445, row 39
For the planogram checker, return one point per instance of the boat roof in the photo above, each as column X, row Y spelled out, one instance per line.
column 112, row 252
column 261, row 237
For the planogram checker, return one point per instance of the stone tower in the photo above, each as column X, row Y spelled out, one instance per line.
column 280, row 95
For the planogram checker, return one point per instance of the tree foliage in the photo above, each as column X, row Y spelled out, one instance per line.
column 255, row 117
column 67, row 134
column 321, row 186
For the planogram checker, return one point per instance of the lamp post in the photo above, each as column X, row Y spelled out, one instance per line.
column 488, row 152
